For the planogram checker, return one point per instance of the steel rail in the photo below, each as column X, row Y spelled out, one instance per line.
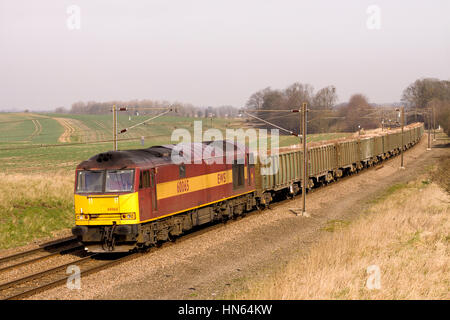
column 43, row 247
column 37, row 259
column 62, row 279
column 33, row 276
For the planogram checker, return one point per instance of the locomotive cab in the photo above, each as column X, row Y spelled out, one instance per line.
column 106, row 198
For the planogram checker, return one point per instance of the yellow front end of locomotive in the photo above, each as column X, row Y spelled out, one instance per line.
column 107, row 209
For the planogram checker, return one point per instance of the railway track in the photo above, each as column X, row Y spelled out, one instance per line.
column 91, row 263
column 44, row 280
column 30, row 257
column 45, row 251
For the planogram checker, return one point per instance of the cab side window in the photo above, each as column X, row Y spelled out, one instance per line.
column 182, row 171
column 152, row 179
column 250, row 165
column 238, row 174
column 144, row 179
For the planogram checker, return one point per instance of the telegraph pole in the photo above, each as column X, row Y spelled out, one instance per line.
column 429, row 130
column 403, row 125
column 305, row 157
column 434, row 125
column 114, row 128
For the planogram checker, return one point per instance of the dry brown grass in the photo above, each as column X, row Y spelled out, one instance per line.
column 405, row 233
column 19, row 189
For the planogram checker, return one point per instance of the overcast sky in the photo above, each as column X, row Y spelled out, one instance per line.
column 208, row 52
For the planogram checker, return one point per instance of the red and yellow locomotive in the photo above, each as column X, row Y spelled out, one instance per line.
column 135, row 198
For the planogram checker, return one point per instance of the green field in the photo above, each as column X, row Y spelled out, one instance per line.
column 32, row 142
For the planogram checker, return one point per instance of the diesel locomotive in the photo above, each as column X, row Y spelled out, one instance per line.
column 131, row 199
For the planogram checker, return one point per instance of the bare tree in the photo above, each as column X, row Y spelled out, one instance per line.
column 291, row 97
column 325, row 98
column 430, row 93
column 418, row 94
column 323, row 102
column 442, row 113
column 256, row 100
column 356, row 114
column 296, row 94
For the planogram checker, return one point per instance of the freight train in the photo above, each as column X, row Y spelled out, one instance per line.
column 132, row 199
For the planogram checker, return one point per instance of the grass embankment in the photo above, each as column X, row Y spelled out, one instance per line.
column 405, row 232
column 33, row 206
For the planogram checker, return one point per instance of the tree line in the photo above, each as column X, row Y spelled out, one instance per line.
column 142, row 107
column 324, row 114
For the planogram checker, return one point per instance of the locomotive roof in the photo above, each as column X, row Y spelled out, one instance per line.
column 156, row 155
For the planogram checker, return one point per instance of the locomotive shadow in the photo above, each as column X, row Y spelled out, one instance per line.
column 441, row 146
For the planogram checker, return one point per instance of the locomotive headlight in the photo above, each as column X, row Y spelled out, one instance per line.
column 82, row 217
column 128, row 216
